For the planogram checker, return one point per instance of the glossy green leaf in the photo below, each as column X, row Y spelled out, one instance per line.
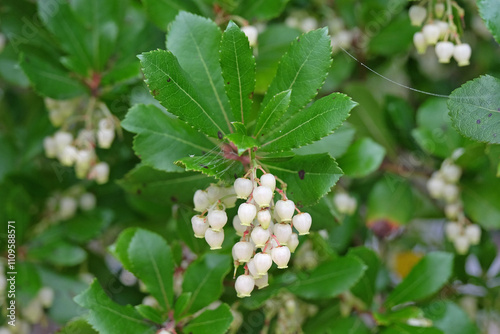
column 394, row 38
column 329, row 279
column 311, row 124
column 181, row 303
column 238, row 69
column 481, row 200
column 272, row 113
column 335, row 144
column 151, row 261
column 120, row 248
column 211, row 321
column 450, row 318
column 213, row 165
column 195, row 41
column 49, row 78
column 425, row 279
column 242, row 142
column 490, row 11
column 302, row 69
column 387, row 191
column 475, row 109
column 407, row 329
column 163, row 188
column 87, row 225
column 171, row 85
column 150, row 313
column 78, row 326
column 107, row 317
column 308, row 177
column 261, row 9
column 61, row 21
column 363, row 157
column 365, row 287
column 203, row 278
column 158, row 133
column 163, row 12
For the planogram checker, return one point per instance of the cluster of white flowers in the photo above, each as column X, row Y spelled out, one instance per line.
column 439, row 33
column 64, row 206
column 443, row 186
column 261, row 223
column 80, row 151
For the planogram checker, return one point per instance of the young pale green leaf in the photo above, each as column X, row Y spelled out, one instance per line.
column 387, row 191
column 335, row 144
column 213, row 165
column 362, row 158
column 365, row 287
column 272, row 113
column 152, row 263
column 60, row 20
column 329, row 279
column 49, row 78
column 475, row 109
column 261, row 9
column 490, row 11
column 450, row 318
column 107, row 317
column 211, row 321
column 239, row 128
column 120, row 248
column 302, row 69
column 238, row 69
column 158, row 133
column 101, row 20
column 203, row 278
column 150, row 313
column 242, row 142
column 195, row 41
column 425, row 279
column 181, row 303
column 308, row 177
column 162, row 13
column 172, row 86
column 311, row 124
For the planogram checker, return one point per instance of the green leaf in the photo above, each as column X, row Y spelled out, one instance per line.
column 171, row 85
column 407, row 329
column 87, row 225
column 120, row 248
column 195, row 41
column 78, row 326
column 242, row 142
column 362, row 158
column 158, row 133
column 329, row 279
column 425, row 279
column 101, row 21
column 213, row 165
column 308, row 177
column 335, row 144
column 434, row 132
column 163, row 12
column 211, row 321
column 395, row 38
column 49, row 78
column 261, row 9
column 159, row 187
column 490, row 11
column 58, row 253
column 151, row 260
column 181, row 303
column 387, row 191
column 450, row 318
column 365, row 288
column 69, row 32
column 107, row 317
column 238, row 69
column 475, row 109
column 302, row 69
column 203, row 278
column 481, row 200
column 150, row 313
column 272, row 113
column 312, row 124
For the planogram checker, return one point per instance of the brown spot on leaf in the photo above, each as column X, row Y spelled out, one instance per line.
column 139, row 191
column 220, row 135
column 302, row 174
column 155, row 92
column 168, row 80
column 173, row 199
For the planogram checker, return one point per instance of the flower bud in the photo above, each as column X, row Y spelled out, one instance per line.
column 281, row 256
column 461, row 244
column 435, row 186
column 439, row 9
column 419, row 42
column 217, row 219
column 302, row 223
column 264, row 218
column 199, row 226
column 263, row 263
column 214, row 239
column 244, row 285
column 285, row 210
column 417, row 15
column 63, row 139
column 293, row 242
column 268, row 180
column 451, row 173
column 83, row 161
column 247, row 213
column 453, row 230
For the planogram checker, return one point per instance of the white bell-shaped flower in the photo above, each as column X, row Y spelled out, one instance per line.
column 452, row 230
column 105, row 137
column 444, row 51
column 293, row 242
column 252, row 269
column 281, row 256
column 243, row 187
column 252, row 34
column 473, row 233
column 87, row 201
column 419, row 42
column 282, row 232
column 431, row 33
column 240, row 229
column 268, row 180
column 260, row 236
column 462, row 244
column 417, row 15
column 243, row 251
column 244, row 285
column 199, row 225
column 462, row 53
column 262, row 281
column 262, row 196
column 200, row 200
column 67, row 207
column 247, row 213
column 217, row 219
column 68, row 155
column 50, row 147
column 100, row 173
column 263, row 263
column 214, row 239
column 285, row 209
column 302, row 223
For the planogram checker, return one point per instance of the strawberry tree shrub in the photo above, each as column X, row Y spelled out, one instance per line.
column 250, row 167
